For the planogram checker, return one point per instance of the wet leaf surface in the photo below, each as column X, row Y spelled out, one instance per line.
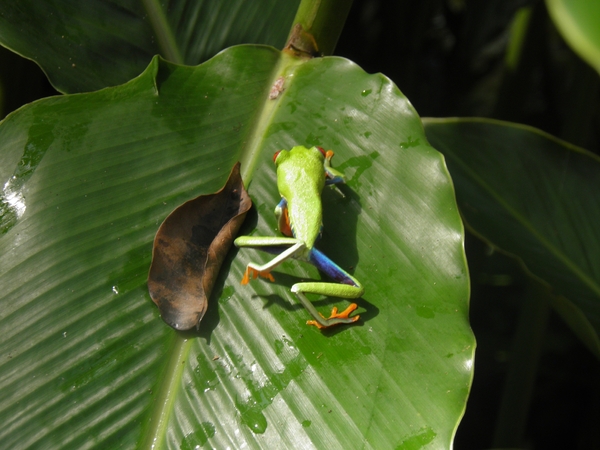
column 188, row 250
column 77, row 318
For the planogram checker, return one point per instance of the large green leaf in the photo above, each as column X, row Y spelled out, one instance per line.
column 536, row 197
column 579, row 23
column 89, row 177
column 84, row 45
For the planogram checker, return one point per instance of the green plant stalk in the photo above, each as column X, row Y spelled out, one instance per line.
column 170, row 383
column 324, row 19
column 520, row 380
column 518, row 33
column 321, row 19
column 164, row 33
column 522, row 55
column 249, row 159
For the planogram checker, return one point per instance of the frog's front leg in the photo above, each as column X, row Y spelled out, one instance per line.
column 332, row 176
column 346, row 287
column 285, row 248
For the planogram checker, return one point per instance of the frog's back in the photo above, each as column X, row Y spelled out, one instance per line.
column 300, row 180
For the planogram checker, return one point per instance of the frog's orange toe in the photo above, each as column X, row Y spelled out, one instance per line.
column 345, row 313
column 335, row 315
column 315, row 323
column 245, row 278
column 252, row 274
column 268, row 276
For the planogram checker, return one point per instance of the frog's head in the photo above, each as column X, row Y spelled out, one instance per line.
column 301, row 151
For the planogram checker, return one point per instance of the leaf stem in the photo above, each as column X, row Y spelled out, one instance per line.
column 522, row 58
column 324, row 20
column 167, row 45
column 520, row 380
column 165, row 397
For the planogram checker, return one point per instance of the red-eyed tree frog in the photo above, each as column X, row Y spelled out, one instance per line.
column 301, row 175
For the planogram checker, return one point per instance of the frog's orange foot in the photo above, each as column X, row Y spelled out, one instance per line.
column 335, row 315
column 252, row 274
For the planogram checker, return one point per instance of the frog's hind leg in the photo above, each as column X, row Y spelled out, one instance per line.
column 332, row 270
column 346, row 287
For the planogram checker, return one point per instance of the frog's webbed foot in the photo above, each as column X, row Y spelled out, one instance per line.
column 336, row 318
column 252, row 273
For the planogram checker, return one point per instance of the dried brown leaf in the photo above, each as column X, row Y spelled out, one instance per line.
column 190, row 246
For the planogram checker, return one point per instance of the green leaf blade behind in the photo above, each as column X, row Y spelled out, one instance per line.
column 88, row 45
column 534, row 197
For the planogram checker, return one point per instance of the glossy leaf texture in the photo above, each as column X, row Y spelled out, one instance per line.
column 579, row 23
column 85, row 45
column 90, row 177
column 535, row 197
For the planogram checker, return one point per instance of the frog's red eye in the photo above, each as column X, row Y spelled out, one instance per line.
column 276, row 155
column 321, row 150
